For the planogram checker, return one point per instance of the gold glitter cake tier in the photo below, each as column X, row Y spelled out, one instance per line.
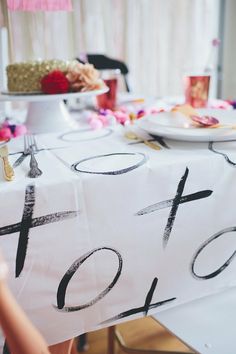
column 26, row 76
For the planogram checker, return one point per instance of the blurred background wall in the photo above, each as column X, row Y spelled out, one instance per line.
column 229, row 51
column 160, row 40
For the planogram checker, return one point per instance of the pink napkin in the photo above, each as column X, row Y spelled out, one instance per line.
column 39, row 5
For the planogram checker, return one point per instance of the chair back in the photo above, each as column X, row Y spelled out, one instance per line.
column 102, row 62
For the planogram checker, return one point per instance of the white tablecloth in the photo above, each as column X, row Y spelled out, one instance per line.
column 114, row 230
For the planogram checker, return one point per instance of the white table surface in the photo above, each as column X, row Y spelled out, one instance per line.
column 126, row 249
column 206, row 325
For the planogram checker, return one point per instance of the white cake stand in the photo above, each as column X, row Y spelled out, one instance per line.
column 48, row 113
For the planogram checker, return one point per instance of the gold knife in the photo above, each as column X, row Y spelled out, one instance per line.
column 8, row 170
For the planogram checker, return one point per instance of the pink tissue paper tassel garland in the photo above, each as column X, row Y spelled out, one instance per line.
column 39, row 5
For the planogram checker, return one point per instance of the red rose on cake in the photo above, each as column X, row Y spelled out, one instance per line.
column 54, row 83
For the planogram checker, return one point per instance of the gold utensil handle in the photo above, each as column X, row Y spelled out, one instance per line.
column 152, row 145
column 133, row 136
column 8, row 170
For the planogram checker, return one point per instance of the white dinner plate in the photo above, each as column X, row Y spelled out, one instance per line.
column 179, row 127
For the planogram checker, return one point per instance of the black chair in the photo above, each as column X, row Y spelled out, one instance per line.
column 102, row 62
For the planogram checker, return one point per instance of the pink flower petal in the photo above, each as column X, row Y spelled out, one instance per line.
column 103, row 119
column 95, row 124
column 20, row 130
column 92, row 116
column 205, row 121
column 216, row 42
column 5, row 133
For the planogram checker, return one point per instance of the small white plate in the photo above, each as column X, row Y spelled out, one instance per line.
column 179, row 127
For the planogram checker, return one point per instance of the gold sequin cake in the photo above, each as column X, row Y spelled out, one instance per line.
column 26, row 76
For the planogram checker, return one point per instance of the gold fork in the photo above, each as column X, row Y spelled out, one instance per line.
column 132, row 136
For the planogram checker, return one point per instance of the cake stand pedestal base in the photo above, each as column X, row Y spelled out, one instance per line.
column 49, row 116
column 48, row 113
